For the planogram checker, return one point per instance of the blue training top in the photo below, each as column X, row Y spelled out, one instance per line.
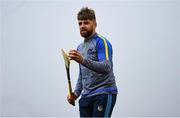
column 96, row 72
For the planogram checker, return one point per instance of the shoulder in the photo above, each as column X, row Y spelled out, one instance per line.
column 102, row 41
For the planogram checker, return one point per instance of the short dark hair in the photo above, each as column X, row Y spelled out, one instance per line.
column 85, row 13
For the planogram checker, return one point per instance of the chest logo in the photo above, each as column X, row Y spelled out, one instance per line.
column 100, row 108
column 90, row 51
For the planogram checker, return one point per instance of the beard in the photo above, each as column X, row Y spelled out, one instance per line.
column 86, row 33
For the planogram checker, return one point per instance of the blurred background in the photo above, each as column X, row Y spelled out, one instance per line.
column 146, row 41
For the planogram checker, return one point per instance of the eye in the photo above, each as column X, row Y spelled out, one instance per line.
column 80, row 23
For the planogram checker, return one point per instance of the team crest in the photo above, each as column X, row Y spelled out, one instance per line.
column 100, row 108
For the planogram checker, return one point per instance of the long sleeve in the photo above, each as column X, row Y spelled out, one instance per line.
column 104, row 53
column 99, row 67
column 78, row 88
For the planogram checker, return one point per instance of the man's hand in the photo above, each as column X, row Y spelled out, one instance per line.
column 71, row 99
column 75, row 55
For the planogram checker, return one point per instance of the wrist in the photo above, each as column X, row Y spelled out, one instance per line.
column 74, row 96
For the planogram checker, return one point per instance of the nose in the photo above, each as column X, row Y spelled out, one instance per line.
column 82, row 26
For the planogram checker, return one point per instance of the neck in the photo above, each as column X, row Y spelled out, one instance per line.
column 90, row 36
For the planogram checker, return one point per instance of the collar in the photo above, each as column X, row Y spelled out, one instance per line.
column 91, row 37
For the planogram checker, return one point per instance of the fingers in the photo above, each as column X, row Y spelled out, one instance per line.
column 75, row 55
column 71, row 100
column 74, row 96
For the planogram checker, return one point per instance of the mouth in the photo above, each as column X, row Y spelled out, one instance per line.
column 83, row 31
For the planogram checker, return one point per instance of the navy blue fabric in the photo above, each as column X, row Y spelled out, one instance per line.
column 97, row 106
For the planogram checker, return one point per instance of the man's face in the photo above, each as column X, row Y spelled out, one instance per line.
column 87, row 27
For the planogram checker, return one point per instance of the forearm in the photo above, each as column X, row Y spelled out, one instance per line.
column 78, row 87
column 99, row 67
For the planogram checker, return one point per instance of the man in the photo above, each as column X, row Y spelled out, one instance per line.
column 96, row 79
